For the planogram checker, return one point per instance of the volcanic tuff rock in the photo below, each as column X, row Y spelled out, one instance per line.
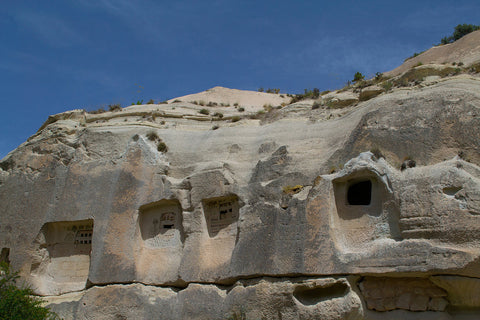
column 465, row 50
column 287, row 213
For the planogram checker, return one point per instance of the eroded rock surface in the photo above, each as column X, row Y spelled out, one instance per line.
column 285, row 218
column 326, row 298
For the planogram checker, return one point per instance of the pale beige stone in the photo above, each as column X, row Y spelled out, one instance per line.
column 206, row 230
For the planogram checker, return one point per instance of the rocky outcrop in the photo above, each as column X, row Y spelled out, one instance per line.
column 341, row 99
column 149, row 213
column 429, row 125
column 325, row 298
column 370, row 92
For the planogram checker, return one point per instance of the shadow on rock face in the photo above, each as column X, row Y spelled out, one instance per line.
column 311, row 296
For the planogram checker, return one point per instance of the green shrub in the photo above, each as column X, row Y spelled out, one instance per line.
column 377, row 153
column 258, row 115
column 152, row 136
column 269, row 90
column 387, row 85
column 445, row 40
column 416, row 75
column 316, row 105
column 241, row 109
column 203, row 111
column 307, row 94
column 215, row 127
column 459, row 31
column 114, row 107
column 162, row 147
column 408, row 162
column 311, row 94
column 236, row 118
column 150, row 101
column 475, row 68
column 18, row 303
column 98, row 111
column 218, row 115
column 464, row 29
column 358, row 77
column 296, row 98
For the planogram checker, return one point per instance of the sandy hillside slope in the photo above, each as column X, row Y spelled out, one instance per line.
column 234, row 96
column 466, row 50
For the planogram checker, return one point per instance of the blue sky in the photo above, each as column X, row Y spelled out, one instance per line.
column 57, row 55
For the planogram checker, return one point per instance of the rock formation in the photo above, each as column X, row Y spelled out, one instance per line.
column 248, row 212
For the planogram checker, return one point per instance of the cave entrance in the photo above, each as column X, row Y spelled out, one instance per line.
column 62, row 261
column 360, row 193
column 161, row 224
column 365, row 209
column 220, row 213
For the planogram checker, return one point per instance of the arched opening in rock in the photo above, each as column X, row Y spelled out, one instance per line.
column 360, row 193
column 365, row 210
column 62, row 261
column 311, row 296
column 220, row 213
column 161, row 224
